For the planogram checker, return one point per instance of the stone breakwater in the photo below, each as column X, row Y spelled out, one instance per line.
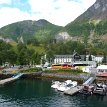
column 52, row 75
column 73, row 76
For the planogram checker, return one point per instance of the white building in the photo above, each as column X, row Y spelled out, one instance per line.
column 63, row 59
column 79, row 58
column 97, row 59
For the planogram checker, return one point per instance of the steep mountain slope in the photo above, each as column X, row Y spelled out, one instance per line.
column 92, row 23
column 98, row 11
column 29, row 29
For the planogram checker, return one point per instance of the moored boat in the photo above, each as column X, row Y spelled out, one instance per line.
column 87, row 89
column 100, row 89
column 55, row 84
column 66, row 86
column 62, row 86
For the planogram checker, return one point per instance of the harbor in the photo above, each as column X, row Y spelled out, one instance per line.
column 65, row 82
column 31, row 93
column 41, row 91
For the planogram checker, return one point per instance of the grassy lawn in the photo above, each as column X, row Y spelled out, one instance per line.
column 64, row 71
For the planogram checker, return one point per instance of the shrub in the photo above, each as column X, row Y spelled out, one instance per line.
column 65, row 70
column 32, row 70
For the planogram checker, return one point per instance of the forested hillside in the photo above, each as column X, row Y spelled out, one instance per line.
column 88, row 36
column 42, row 30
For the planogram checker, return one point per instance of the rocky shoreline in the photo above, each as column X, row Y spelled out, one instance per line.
column 50, row 75
column 81, row 77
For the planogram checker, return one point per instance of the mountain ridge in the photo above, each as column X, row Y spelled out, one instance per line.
column 29, row 29
column 91, row 24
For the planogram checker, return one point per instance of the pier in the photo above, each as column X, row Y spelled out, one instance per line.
column 76, row 89
column 73, row 90
column 13, row 78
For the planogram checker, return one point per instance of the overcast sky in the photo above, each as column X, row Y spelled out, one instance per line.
column 59, row 12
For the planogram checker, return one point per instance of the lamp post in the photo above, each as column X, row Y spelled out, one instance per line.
column 41, row 60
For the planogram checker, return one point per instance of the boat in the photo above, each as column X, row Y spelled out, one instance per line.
column 100, row 89
column 66, row 86
column 102, row 71
column 55, row 84
column 87, row 89
column 62, row 86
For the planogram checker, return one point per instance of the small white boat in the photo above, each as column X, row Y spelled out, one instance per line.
column 55, row 84
column 64, row 86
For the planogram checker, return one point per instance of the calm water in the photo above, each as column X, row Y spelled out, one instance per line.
column 38, row 93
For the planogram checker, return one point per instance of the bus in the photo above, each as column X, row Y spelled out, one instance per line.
column 62, row 66
column 56, row 66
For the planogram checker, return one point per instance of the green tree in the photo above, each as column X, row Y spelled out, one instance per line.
column 12, row 57
column 22, row 57
column 36, row 58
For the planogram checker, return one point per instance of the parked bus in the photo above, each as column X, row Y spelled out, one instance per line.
column 56, row 66
column 67, row 66
column 62, row 66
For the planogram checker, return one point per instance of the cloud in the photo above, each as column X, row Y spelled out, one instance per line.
column 11, row 15
column 5, row 2
column 59, row 12
column 87, row 3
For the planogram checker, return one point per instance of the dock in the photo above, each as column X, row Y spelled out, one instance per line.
column 13, row 78
column 76, row 89
column 73, row 90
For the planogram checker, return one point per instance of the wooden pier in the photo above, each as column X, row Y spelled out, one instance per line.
column 8, row 80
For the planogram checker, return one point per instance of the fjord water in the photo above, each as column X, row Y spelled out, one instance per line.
column 38, row 93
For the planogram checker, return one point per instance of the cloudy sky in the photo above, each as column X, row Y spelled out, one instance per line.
column 59, row 12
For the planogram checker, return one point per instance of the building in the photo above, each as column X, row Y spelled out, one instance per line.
column 97, row 58
column 68, row 58
column 63, row 59
column 76, row 58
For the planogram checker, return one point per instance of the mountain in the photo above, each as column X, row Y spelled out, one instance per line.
column 89, row 27
column 98, row 11
column 92, row 24
column 28, row 29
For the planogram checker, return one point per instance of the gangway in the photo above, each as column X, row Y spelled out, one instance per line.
column 89, row 81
